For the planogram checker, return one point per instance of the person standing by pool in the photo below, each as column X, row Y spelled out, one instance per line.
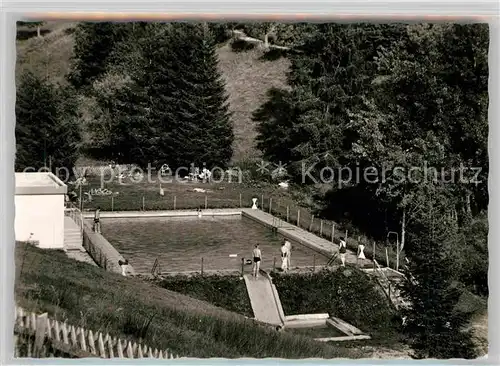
column 284, row 257
column 123, row 266
column 288, row 246
column 257, row 257
column 361, row 254
column 97, row 220
column 342, row 250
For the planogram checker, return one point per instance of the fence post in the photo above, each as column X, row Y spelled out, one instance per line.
column 112, row 203
column 262, row 202
column 374, row 257
column 240, row 202
column 202, row 266
column 345, row 237
column 387, row 257
column 242, row 266
column 287, row 213
column 298, row 217
column 270, row 205
column 206, row 202
column 175, row 201
column 41, row 328
column 321, row 228
column 333, row 231
column 143, row 203
column 311, row 225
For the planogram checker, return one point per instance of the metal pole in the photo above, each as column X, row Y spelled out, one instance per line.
column 240, row 201
column 287, row 213
column 242, row 266
column 175, row 201
column 206, row 202
column 397, row 255
column 270, row 205
column 321, row 228
column 333, row 231
column 81, row 199
column 143, row 203
column 298, row 217
column 374, row 256
column 311, row 225
column 112, row 203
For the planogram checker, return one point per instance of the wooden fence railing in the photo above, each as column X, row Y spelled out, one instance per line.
column 74, row 212
column 38, row 336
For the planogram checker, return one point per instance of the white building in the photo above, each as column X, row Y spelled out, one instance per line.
column 39, row 200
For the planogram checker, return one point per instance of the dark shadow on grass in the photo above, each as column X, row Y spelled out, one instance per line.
column 241, row 46
column 273, row 55
column 24, row 34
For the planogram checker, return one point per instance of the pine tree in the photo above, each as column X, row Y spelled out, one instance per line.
column 46, row 126
column 188, row 99
column 94, row 43
column 434, row 326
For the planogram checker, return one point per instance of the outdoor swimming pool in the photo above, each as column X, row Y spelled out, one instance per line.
column 181, row 243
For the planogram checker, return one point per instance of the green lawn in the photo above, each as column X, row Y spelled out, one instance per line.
column 84, row 295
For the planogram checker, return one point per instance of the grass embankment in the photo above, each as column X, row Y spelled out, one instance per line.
column 48, row 281
column 228, row 292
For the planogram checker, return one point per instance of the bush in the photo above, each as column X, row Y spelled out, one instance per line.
column 346, row 293
column 228, row 292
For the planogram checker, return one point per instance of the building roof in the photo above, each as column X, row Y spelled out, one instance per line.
column 35, row 183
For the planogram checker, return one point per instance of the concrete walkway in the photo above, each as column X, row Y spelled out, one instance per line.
column 299, row 235
column 166, row 213
column 264, row 306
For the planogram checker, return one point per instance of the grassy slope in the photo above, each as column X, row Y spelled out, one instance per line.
column 90, row 297
column 247, row 77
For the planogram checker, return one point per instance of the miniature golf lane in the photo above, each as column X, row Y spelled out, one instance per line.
column 262, row 299
column 181, row 243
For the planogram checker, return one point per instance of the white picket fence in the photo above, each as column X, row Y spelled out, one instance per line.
column 40, row 336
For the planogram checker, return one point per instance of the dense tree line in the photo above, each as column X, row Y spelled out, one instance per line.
column 47, row 126
column 371, row 97
column 158, row 92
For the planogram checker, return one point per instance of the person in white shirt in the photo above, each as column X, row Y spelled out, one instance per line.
column 124, row 266
column 361, row 254
column 257, row 257
column 284, row 257
column 342, row 250
column 288, row 246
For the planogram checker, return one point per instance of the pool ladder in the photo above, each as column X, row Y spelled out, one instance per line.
column 332, row 259
column 156, row 268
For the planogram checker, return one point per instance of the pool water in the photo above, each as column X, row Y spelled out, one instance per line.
column 181, row 243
